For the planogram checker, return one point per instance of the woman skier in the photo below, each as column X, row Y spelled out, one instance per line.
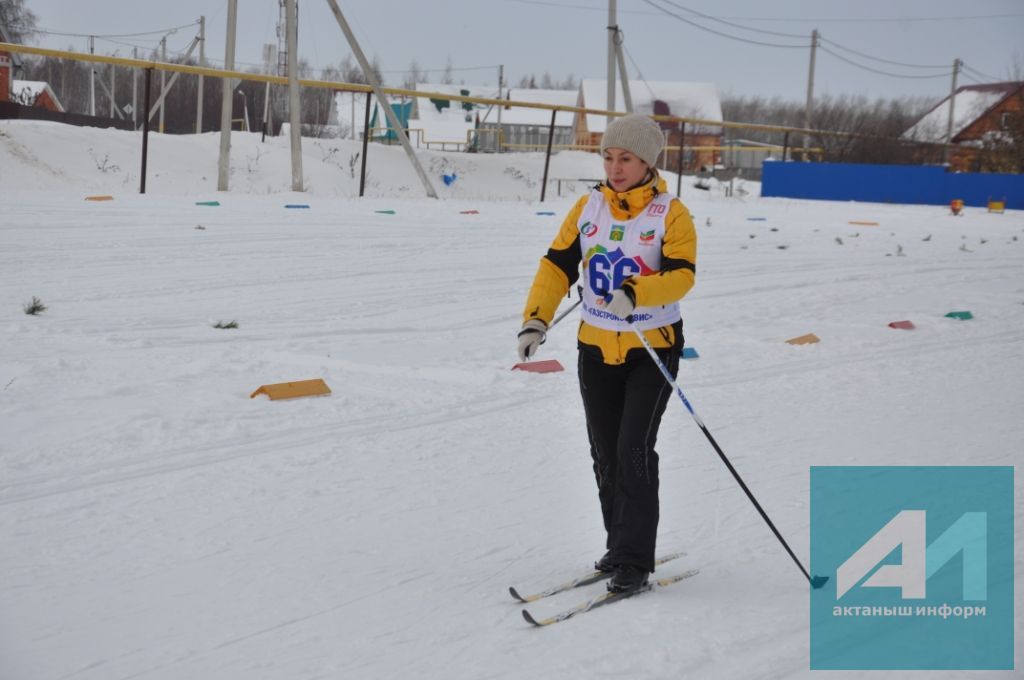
column 637, row 245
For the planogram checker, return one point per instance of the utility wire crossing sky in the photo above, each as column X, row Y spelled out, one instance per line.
column 902, row 47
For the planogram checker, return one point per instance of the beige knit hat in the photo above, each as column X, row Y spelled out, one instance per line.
column 637, row 134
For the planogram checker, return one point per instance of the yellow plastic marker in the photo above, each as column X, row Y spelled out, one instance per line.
column 997, row 206
column 291, row 390
column 99, row 198
column 808, row 339
column 863, row 223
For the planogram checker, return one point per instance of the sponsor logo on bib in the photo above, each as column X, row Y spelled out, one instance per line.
column 618, row 231
column 588, row 229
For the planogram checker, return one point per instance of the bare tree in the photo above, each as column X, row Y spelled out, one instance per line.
column 446, row 77
column 413, row 76
column 17, row 20
column 880, row 123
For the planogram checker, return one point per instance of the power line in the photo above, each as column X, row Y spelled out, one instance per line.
column 803, row 20
column 874, row 70
column 878, row 20
column 719, row 33
column 884, row 61
column 442, row 70
column 980, row 73
column 115, row 35
column 729, row 23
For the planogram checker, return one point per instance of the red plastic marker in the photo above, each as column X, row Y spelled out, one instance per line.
column 546, row 366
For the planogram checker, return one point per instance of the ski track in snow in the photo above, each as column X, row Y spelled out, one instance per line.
column 158, row 523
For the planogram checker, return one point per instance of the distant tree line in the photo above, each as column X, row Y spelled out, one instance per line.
column 882, row 121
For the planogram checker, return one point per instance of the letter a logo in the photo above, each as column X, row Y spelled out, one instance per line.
column 967, row 537
column 907, row 529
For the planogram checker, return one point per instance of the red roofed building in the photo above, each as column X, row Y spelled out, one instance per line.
column 35, row 93
column 988, row 127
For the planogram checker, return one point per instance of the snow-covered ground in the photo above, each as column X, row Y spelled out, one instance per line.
column 156, row 522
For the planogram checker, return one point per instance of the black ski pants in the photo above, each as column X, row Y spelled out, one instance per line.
column 624, row 404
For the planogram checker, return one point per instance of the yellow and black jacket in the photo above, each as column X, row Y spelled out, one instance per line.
column 560, row 268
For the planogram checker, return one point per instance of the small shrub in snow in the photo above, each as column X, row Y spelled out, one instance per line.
column 35, row 307
column 229, row 324
column 103, row 165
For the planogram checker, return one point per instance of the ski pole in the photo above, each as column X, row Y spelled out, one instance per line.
column 816, row 581
column 566, row 312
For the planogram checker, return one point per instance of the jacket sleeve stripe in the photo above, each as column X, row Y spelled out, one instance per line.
column 568, row 260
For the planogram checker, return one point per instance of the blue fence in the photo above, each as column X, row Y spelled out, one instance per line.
column 888, row 184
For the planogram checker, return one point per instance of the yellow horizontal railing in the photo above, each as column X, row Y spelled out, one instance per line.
column 357, row 87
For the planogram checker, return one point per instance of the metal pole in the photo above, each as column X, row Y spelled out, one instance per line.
column 810, row 91
column 163, row 87
column 547, row 158
column 949, row 121
column 612, row 30
column 135, row 87
column 113, row 97
column 679, row 161
column 785, row 146
column 269, row 57
column 202, row 62
column 501, row 83
column 145, row 132
column 92, row 78
column 366, row 141
column 294, row 121
column 223, row 162
column 266, row 111
column 371, row 78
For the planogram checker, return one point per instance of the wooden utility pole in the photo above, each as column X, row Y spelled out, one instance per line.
column 371, row 78
column 202, row 62
column 810, row 92
column 224, row 160
column 294, row 117
column 949, row 122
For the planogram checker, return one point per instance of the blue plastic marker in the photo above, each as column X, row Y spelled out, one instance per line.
column 545, row 213
column 690, row 353
column 297, row 205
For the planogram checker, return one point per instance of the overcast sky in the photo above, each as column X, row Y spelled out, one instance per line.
column 566, row 37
